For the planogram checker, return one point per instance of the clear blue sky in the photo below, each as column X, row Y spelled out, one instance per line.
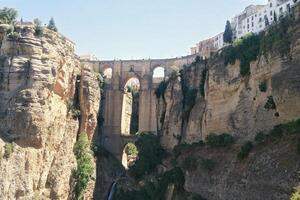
column 125, row 29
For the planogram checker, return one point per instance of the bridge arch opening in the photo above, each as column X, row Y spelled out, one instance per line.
column 107, row 73
column 158, row 74
column 130, row 107
column 129, row 156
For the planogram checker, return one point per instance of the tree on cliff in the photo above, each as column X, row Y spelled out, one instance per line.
column 8, row 15
column 39, row 30
column 52, row 25
column 228, row 34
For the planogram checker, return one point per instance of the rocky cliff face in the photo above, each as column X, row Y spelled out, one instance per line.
column 232, row 103
column 41, row 84
column 270, row 172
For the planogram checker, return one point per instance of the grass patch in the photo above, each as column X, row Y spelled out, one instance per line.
column 8, row 150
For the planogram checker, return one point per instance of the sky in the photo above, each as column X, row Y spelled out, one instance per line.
column 133, row 29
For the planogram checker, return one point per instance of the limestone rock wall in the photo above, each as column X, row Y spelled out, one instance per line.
column 37, row 84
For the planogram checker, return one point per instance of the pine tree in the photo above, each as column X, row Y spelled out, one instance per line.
column 228, row 34
column 52, row 25
column 8, row 15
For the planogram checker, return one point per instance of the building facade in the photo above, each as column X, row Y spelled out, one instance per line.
column 254, row 19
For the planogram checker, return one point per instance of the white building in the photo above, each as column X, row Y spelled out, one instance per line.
column 253, row 19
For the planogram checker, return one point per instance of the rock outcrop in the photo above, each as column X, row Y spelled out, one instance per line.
column 226, row 102
column 270, row 172
column 38, row 91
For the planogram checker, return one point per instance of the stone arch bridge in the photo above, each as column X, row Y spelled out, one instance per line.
column 122, row 71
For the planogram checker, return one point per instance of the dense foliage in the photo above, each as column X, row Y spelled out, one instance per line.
column 245, row 49
column 85, row 165
column 222, row 140
column 150, row 154
column 8, row 15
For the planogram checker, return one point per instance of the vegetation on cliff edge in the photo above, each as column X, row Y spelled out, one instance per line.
column 277, row 39
column 85, row 164
column 150, row 154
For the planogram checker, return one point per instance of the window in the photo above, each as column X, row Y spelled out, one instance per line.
column 248, row 20
column 252, row 18
column 252, row 24
column 281, row 9
column 260, row 19
column 271, row 13
column 271, row 5
column 248, row 26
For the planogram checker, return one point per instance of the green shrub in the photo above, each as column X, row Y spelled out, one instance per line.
column 131, row 149
column 263, row 86
column 76, row 113
column 270, row 104
column 39, row 30
column 207, row 164
column 150, row 155
column 222, row 140
column 245, row 150
column 14, row 36
column 260, row 138
column 8, row 149
column 85, row 164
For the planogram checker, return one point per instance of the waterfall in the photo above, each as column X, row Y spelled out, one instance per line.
column 112, row 191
